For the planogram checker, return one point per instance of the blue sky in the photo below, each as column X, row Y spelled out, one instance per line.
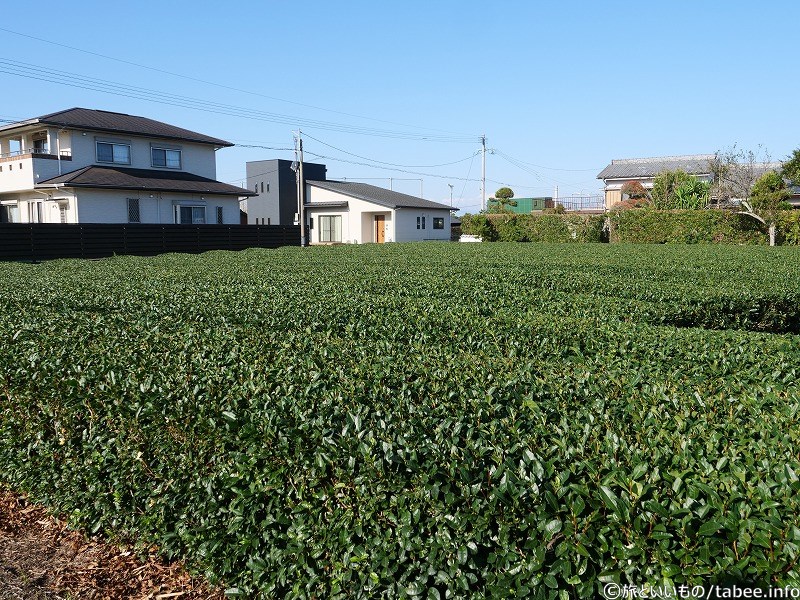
column 559, row 89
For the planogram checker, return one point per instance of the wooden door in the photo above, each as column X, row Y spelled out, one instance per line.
column 380, row 229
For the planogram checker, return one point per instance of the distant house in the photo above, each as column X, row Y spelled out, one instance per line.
column 274, row 184
column 93, row 166
column 357, row 213
column 644, row 170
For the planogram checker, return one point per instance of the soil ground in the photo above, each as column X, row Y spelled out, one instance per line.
column 40, row 559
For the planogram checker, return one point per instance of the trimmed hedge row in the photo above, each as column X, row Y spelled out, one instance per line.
column 416, row 421
column 685, row 227
column 642, row 226
column 535, row 228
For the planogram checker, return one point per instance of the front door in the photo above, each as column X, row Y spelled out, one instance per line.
column 380, row 229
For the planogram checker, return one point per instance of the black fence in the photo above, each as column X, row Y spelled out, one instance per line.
column 44, row 241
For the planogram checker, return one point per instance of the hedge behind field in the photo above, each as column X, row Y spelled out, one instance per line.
column 638, row 226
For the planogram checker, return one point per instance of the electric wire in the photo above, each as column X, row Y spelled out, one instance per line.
column 36, row 72
column 394, row 164
column 219, row 85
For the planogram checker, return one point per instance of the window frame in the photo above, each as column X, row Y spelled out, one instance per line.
column 138, row 208
column 113, row 145
column 10, row 212
column 166, row 165
column 220, row 215
column 328, row 229
column 179, row 207
column 438, row 222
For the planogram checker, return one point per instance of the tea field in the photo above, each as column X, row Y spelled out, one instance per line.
column 418, row 420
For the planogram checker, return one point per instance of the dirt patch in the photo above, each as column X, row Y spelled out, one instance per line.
column 40, row 559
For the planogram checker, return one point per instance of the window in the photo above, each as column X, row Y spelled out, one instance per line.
column 40, row 146
column 190, row 215
column 423, row 222
column 9, row 213
column 62, row 213
column 255, row 189
column 267, row 187
column 262, row 187
column 419, row 220
column 219, row 215
column 165, row 157
column 133, row 211
column 113, row 153
column 330, row 228
column 34, row 212
column 438, row 222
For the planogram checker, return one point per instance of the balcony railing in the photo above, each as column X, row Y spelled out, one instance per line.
column 35, row 152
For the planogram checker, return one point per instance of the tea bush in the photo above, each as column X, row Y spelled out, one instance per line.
column 418, row 420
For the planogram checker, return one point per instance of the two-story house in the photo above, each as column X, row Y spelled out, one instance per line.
column 94, row 166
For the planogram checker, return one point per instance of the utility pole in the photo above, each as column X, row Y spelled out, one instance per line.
column 302, row 193
column 483, row 173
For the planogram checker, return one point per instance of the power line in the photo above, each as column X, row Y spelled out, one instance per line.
column 540, row 166
column 36, row 72
column 393, row 164
column 262, row 147
column 353, row 162
column 219, row 85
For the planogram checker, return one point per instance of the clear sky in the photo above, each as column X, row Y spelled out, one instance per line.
column 558, row 88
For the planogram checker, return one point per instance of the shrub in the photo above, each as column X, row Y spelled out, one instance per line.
column 303, row 441
column 634, row 190
column 478, row 225
column 684, row 226
column 667, row 185
column 546, row 227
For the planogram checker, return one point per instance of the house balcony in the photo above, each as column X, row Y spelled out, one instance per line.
column 35, row 153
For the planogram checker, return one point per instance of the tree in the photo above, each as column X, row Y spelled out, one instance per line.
column 503, row 199
column 735, row 172
column 791, row 168
column 634, row 190
column 749, row 178
column 678, row 189
column 768, row 196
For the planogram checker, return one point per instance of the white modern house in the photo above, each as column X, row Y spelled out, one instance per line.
column 357, row 213
column 92, row 166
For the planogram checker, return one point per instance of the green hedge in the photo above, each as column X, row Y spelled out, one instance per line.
column 535, row 228
column 789, row 228
column 417, row 420
column 642, row 226
column 685, row 227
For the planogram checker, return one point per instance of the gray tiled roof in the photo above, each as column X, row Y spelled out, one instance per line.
column 112, row 122
column 695, row 164
column 378, row 195
column 149, row 180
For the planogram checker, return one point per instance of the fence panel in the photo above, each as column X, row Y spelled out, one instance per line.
column 45, row 241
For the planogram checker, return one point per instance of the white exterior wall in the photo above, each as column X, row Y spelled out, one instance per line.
column 358, row 220
column 17, row 174
column 406, row 223
column 98, row 206
column 199, row 159
column 21, row 173
column 50, row 204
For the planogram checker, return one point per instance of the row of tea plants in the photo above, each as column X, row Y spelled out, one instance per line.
column 421, row 421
